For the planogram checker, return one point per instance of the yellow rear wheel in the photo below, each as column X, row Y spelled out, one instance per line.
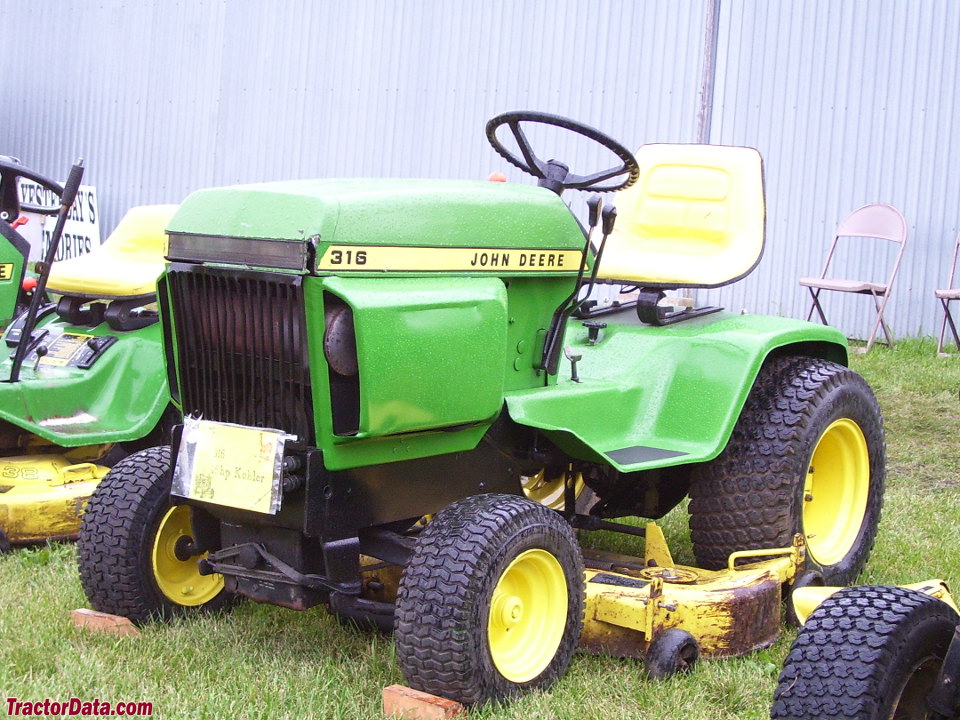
column 835, row 491
column 175, row 567
column 807, row 456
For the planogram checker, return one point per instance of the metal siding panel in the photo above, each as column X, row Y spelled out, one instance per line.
column 849, row 103
column 133, row 91
column 165, row 98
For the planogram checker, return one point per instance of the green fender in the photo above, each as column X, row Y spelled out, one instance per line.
column 653, row 397
column 120, row 398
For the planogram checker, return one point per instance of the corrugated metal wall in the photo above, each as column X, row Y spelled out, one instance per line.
column 849, row 102
column 163, row 98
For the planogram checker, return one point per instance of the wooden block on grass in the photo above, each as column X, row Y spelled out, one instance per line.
column 103, row 622
column 403, row 702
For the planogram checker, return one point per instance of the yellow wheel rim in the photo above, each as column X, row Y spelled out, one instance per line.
column 835, row 491
column 180, row 580
column 549, row 491
column 528, row 614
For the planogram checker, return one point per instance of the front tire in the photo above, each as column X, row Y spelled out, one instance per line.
column 807, row 455
column 134, row 544
column 491, row 602
column 866, row 653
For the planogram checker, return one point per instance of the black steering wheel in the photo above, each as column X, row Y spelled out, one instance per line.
column 10, row 205
column 553, row 174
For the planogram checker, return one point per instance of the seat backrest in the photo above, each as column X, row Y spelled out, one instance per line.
column 695, row 218
column 876, row 220
column 952, row 276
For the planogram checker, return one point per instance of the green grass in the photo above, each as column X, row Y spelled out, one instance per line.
column 267, row 662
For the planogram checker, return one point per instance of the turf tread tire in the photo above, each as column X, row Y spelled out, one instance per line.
column 442, row 604
column 116, row 540
column 751, row 496
column 851, row 657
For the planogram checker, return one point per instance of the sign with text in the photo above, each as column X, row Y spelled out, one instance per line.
column 230, row 465
column 81, row 234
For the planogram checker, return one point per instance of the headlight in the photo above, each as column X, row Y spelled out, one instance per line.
column 249, row 252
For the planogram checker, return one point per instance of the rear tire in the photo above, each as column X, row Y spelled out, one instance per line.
column 807, row 455
column 131, row 547
column 491, row 602
column 866, row 653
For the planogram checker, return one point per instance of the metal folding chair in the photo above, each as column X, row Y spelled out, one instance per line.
column 945, row 295
column 880, row 221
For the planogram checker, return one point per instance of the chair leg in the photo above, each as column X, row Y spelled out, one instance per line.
column 880, row 307
column 815, row 294
column 883, row 323
column 947, row 319
column 943, row 325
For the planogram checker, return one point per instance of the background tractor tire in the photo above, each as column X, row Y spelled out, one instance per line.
column 866, row 653
column 492, row 600
column 807, row 455
column 131, row 547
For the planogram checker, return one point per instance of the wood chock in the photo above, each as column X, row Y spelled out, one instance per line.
column 103, row 622
column 400, row 701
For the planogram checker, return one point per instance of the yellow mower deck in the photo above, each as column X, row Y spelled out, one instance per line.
column 730, row 612
column 43, row 496
column 631, row 600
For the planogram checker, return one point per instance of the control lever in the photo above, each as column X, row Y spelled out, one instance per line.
column 609, row 216
column 41, row 353
column 70, row 189
column 574, row 359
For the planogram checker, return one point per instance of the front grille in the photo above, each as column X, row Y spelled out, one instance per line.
column 242, row 348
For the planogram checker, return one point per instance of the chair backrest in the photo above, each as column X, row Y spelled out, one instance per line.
column 695, row 218
column 877, row 220
column 952, row 276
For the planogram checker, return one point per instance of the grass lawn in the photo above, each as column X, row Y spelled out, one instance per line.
column 267, row 662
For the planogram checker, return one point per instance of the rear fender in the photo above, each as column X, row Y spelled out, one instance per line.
column 652, row 397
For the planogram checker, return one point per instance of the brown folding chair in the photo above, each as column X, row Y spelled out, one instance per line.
column 945, row 295
column 880, row 221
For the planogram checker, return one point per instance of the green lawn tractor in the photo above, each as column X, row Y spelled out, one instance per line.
column 402, row 400
column 82, row 382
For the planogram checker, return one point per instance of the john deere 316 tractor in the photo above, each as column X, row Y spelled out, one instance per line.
column 398, row 399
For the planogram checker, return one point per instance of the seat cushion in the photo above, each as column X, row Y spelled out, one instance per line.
column 854, row 286
column 127, row 264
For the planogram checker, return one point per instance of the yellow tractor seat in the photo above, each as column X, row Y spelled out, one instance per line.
column 695, row 218
column 126, row 265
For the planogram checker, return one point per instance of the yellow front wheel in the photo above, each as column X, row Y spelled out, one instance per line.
column 136, row 551
column 175, row 563
column 528, row 613
column 492, row 600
